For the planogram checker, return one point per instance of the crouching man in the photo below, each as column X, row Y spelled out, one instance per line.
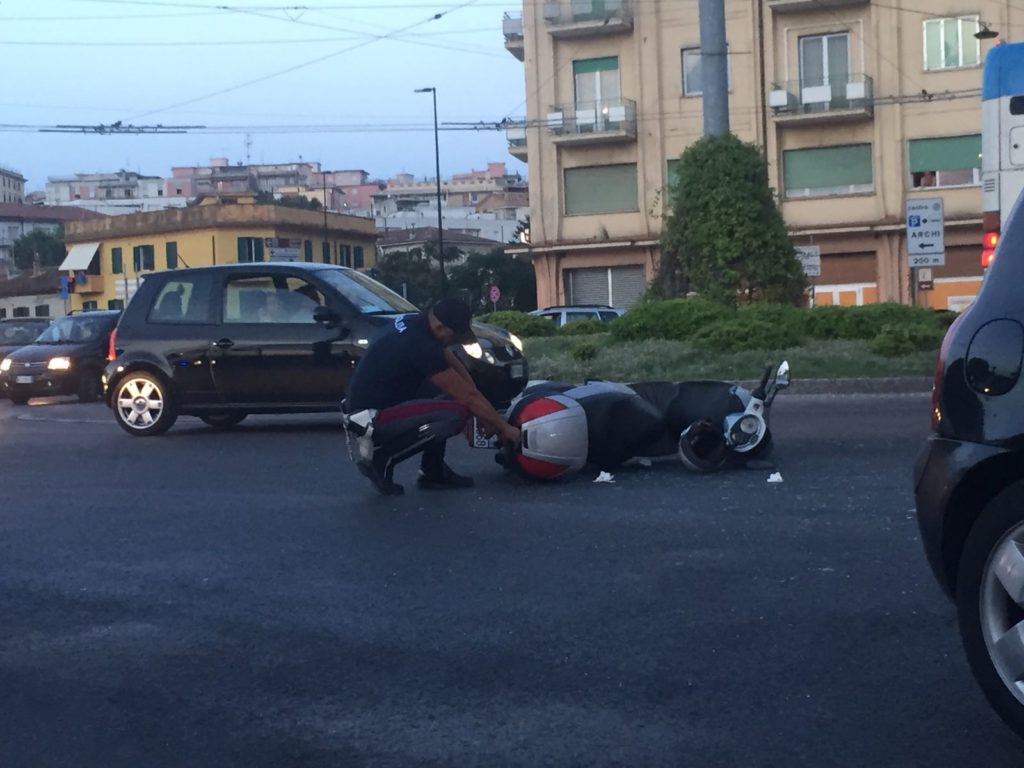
column 396, row 378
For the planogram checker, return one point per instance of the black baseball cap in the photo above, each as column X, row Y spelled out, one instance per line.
column 456, row 315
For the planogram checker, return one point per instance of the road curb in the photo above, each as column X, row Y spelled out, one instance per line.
column 892, row 385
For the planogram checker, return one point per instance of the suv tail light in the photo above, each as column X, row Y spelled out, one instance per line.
column 988, row 247
column 111, row 351
column 940, row 370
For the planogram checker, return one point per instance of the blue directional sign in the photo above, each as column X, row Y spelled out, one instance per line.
column 926, row 232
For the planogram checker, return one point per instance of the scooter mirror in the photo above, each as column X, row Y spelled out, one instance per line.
column 782, row 375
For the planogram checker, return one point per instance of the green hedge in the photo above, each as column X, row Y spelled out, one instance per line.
column 520, row 323
column 867, row 322
column 896, row 340
column 675, row 319
column 746, row 332
column 583, row 328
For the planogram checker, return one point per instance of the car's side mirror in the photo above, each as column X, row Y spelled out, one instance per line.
column 326, row 316
column 782, row 375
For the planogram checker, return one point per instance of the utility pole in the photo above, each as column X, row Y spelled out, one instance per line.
column 437, row 170
column 326, row 244
column 714, row 67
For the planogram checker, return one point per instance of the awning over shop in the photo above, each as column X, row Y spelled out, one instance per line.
column 79, row 257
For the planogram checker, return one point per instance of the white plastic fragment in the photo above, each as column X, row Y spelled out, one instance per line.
column 775, row 477
column 644, row 462
column 605, row 477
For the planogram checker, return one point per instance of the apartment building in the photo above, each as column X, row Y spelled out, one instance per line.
column 12, row 186
column 859, row 106
column 18, row 220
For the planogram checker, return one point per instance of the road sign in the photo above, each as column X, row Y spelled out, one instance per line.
column 926, row 232
column 810, row 257
column 495, row 294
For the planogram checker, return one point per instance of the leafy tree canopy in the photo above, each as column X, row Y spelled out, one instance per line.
column 47, row 245
column 724, row 237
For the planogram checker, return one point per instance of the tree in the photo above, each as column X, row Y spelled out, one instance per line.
column 289, row 201
column 522, row 228
column 724, row 237
column 515, row 277
column 49, row 247
column 416, row 271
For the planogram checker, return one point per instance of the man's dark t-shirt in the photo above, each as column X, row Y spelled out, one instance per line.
column 396, row 366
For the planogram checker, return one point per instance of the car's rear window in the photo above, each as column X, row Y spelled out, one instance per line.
column 18, row 333
column 78, row 329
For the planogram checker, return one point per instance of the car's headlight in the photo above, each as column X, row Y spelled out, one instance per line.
column 516, row 342
column 474, row 350
column 59, row 363
column 5, row 365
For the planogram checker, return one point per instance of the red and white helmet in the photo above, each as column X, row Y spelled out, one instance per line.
column 554, row 432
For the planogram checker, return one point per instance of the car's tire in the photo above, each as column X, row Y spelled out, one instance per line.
column 142, row 405
column 990, row 602
column 18, row 399
column 224, row 419
column 90, row 386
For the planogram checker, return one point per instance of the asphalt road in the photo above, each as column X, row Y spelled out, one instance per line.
column 243, row 599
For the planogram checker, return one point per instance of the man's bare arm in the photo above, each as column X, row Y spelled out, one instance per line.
column 466, row 394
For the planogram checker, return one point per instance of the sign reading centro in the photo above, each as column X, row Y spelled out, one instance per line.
column 926, row 232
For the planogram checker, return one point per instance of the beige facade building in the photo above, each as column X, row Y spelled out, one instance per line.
column 12, row 186
column 858, row 105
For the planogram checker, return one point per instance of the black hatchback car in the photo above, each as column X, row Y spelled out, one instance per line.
column 969, row 478
column 17, row 332
column 66, row 359
column 281, row 337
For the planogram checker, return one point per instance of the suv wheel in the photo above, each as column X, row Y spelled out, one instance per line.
column 224, row 419
column 18, row 399
column 141, row 405
column 990, row 598
column 90, row 388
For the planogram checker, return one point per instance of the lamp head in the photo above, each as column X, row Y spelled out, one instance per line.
column 986, row 32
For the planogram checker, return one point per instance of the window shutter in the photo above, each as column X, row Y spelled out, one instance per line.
column 952, row 153
column 827, row 167
column 601, row 189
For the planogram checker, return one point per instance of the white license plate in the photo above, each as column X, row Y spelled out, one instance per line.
column 516, row 370
column 24, row 379
column 478, row 435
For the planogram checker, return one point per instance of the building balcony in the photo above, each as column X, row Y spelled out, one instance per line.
column 516, row 135
column 587, row 18
column 92, row 284
column 592, row 123
column 800, row 101
column 796, row 6
column 512, row 26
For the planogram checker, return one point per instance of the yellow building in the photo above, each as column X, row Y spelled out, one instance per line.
column 860, row 106
column 107, row 257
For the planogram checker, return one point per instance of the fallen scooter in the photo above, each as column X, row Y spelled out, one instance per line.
column 712, row 425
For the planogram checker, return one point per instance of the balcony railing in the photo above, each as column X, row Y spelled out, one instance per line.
column 599, row 122
column 512, row 27
column 836, row 99
column 516, row 135
column 585, row 18
column 794, row 6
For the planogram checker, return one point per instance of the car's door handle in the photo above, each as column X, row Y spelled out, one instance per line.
column 224, row 344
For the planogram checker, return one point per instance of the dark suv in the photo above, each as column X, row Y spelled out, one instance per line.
column 969, row 479
column 222, row 342
column 66, row 359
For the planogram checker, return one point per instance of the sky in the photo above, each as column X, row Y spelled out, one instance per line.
column 355, row 65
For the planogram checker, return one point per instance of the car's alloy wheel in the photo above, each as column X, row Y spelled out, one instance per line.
column 990, row 598
column 141, row 405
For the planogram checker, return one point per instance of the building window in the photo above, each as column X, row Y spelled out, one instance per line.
column 21, row 312
column 307, row 250
column 345, row 255
column 950, row 43
column 42, row 310
column 116, row 261
column 693, row 72
column 90, row 306
column 357, row 255
column 3, row 312
column 952, row 161
column 827, row 171
column 597, row 83
column 601, row 189
column 144, row 258
column 115, row 304
column 325, row 252
column 250, row 250
column 177, row 190
column 171, row 250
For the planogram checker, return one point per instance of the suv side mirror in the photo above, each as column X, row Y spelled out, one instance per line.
column 326, row 316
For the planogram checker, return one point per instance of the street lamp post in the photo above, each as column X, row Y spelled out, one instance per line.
column 437, row 168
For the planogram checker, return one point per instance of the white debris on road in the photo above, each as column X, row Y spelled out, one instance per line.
column 775, row 477
column 605, row 477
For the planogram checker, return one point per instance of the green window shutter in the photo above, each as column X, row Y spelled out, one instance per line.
column 952, row 153
column 601, row 189
column 325, row 249
column 243, row 250
column 827, row 167
column 308, row 249
column 172, row 255
column 358, row 254
column 116, row 261
column 258, row 249
column 595, row 65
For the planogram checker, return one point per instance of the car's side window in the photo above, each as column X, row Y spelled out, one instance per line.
column 185, row 299
column 554, row 317
column 270, row 299
column 608, row 316
column 572, row 317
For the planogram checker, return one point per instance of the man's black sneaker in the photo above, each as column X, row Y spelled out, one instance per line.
column 447, row 479
column 384, row 484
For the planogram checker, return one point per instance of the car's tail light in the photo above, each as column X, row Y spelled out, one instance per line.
column 940, row 371
column 988, row 247
column 111, row 351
